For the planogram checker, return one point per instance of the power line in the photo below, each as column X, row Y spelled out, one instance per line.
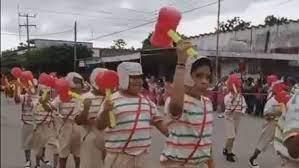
column 27, row 25
column 149, row 22
column 81, row 15
column 49, row 34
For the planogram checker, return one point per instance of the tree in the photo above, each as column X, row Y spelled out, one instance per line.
column 119, row 44
column 146, row 44
column 50, row 59
column 233, row 25
column 272, row 20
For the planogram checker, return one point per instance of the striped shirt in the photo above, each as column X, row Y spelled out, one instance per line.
column 184, row 133
column 234, row 105
column 41, row 115
column 67, row 109
column 287, row 124
column 27, row 102
column 125, row 110
column 96, row 102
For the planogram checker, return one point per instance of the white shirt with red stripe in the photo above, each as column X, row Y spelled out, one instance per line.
column 234, row 104
column 27, row 106
column 96, row 102
column 125, row 110
column 69, row 109
column 185, row 132
column 41, row 116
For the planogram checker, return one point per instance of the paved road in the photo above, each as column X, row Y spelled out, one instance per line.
column 250, row 127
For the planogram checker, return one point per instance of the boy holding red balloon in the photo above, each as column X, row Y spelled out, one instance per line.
column 189, row 143
column 28, row 121
column 286, row 141
column 92, row 139
column 235, row 106
column 128, row 141
column 272, row 112
column 44, row 128
column 68, row 107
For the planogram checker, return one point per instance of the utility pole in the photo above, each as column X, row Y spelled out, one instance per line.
column 75, row 46
column 27, row 25
column 19, row 23
column 217, row 41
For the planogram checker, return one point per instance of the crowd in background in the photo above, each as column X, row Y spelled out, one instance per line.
column 254, row 90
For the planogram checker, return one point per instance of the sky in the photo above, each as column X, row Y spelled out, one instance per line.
column 98, row 21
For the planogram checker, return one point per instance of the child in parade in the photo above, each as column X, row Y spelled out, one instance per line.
column 189, row 142
column 92, row 139
column 127, row 143
column 235, row 107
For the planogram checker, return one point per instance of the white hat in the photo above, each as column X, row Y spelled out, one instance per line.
column 126, row 69
column 188, row 81
column 70, row 76
column 92, row 77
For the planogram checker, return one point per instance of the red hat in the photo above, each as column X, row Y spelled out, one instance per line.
column 279, row 87
column 271, row 79
column 234, row 80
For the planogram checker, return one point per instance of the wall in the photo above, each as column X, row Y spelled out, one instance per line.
column 252, row 40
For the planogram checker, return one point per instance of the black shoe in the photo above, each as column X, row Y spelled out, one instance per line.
column 253, row 163
column 230, row 157
column 224, row 152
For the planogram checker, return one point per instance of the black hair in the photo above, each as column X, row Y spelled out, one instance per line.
column 201, row 62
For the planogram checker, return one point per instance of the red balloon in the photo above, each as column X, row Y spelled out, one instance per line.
column 271, row 79
column 279, row 87
column 16, row 72
column 169, row 18
column 64, row 97
column 107, row 80
column 43, row 79
column 25, row 77
column 51, row 82
column 62, row 86
column 234, row 80
column 282, row 97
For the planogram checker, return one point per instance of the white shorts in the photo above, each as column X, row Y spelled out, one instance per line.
column 267, row 135
column 69, row 139
column 232, row 125
column 92, row 148
column 27, row 136
column 122, row 160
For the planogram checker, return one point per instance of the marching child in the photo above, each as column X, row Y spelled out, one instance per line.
column 127, row 143
column 189, row 143
column 235, row 107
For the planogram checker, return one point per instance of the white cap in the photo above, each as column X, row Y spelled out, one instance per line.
column 126, row 69
column 70, row 76
column 92, row 77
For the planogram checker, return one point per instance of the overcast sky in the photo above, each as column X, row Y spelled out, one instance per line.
column 97, row 18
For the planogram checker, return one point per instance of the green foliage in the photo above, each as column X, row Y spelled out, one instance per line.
column 233, row 24
column 272, row 20
column 119, row 44
column 146, row 44
column 50, row 59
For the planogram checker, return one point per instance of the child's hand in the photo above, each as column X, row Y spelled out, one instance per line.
column 181, row 50
column 108, row 105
